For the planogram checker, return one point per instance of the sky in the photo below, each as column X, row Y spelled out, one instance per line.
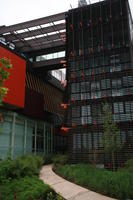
column 16, row 11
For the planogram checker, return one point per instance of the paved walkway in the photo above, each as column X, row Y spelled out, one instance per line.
column 68, row 190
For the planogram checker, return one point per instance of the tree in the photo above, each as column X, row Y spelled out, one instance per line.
column 111, row 134
column 5, row 65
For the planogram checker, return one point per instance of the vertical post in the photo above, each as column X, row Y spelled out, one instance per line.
column 13, row 135
column 51, row 138
column 25, row 135
column 35, row 138
column 47, row 138
column 44, row 132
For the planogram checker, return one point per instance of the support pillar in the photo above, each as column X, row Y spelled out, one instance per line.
column 35, row 137
column 13, row 135
column 51, row 138
column 25, row 135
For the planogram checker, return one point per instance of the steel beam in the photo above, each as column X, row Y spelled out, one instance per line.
column 34, row 42
column 42, row 46
column 40, row 31
column 50, row 62
column 33, row 23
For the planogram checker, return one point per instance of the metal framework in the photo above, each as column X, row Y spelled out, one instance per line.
column 36, row 34
column 99, row 70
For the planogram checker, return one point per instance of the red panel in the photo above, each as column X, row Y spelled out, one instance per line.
column 16, row 80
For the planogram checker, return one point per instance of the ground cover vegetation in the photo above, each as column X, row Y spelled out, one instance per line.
column 117, row 184
column 19, row 180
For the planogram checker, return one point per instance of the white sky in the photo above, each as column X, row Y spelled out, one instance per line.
column 16, row 11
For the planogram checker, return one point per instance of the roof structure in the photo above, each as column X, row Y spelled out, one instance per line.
column 36, row 34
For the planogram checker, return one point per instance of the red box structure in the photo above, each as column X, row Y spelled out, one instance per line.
column 16, row 80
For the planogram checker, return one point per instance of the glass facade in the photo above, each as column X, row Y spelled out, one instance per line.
column 99, row 69
column 20, row 135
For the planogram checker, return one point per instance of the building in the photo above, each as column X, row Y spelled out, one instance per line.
column 31, row 110
column 99, row 49
column 95, row 43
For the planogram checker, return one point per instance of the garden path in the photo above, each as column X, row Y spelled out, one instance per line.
column 68, row 190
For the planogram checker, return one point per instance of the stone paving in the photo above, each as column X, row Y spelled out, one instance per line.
column 68, row 190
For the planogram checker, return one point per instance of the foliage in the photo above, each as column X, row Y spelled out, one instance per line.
column 20, row 176
column 129, row 165
column 111, row 135
column 48, row 159
column 60, row 159
column 115, row 184
column 5, row 65
column 26, row 188
column 22, row 166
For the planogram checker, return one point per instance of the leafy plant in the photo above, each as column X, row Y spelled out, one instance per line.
column 23, row 166
column 111, row 135
column 60, row 159
column 5, row 65
column 129, row 165
column 26, row 188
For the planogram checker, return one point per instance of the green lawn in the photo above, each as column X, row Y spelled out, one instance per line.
column 114, row 184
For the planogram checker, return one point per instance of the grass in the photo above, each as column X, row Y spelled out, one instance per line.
column 114, row 184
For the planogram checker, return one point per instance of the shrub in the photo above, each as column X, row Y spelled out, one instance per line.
column 48, row 159
column 22, row 166
column 26, row 188
column 60, row 159
column 129, row 165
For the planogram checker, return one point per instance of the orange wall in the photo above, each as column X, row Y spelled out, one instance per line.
column 16, row 80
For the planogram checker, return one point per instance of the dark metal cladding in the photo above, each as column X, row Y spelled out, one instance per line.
column 99, row 58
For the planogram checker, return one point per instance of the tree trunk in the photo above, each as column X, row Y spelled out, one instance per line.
column 113, row 160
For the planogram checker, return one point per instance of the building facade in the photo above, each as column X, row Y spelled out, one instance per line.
column 99, row 58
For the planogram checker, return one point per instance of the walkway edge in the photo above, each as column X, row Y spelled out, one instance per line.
column 68, row 190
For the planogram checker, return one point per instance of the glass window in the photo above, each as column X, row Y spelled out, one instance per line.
column 95, row 86
column 100, row 140
column 127, row 81
column 75, row 96
column 123, row 136
column 129, row 107
column 118, row 107
column 85, row 86
column 85, row 96
column 76, row 111
column 116, row 83
column 76, row 141
column 89, row 140
column 75, row 87
column 114, row 59
column 105, row 84
column 95, row 140
column 86, row 110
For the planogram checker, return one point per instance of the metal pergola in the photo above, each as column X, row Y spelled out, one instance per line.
column 37, row 37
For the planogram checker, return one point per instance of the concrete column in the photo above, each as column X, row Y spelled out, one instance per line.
column 25, row 135
column 35, row 137
column 44, row 132
column 13, row 135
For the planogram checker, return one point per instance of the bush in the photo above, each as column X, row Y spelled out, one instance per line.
column 26, row 188
column 60, row 159
column 129, row 165
column 23, row 166
column 115, row 184
column 48, row 159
